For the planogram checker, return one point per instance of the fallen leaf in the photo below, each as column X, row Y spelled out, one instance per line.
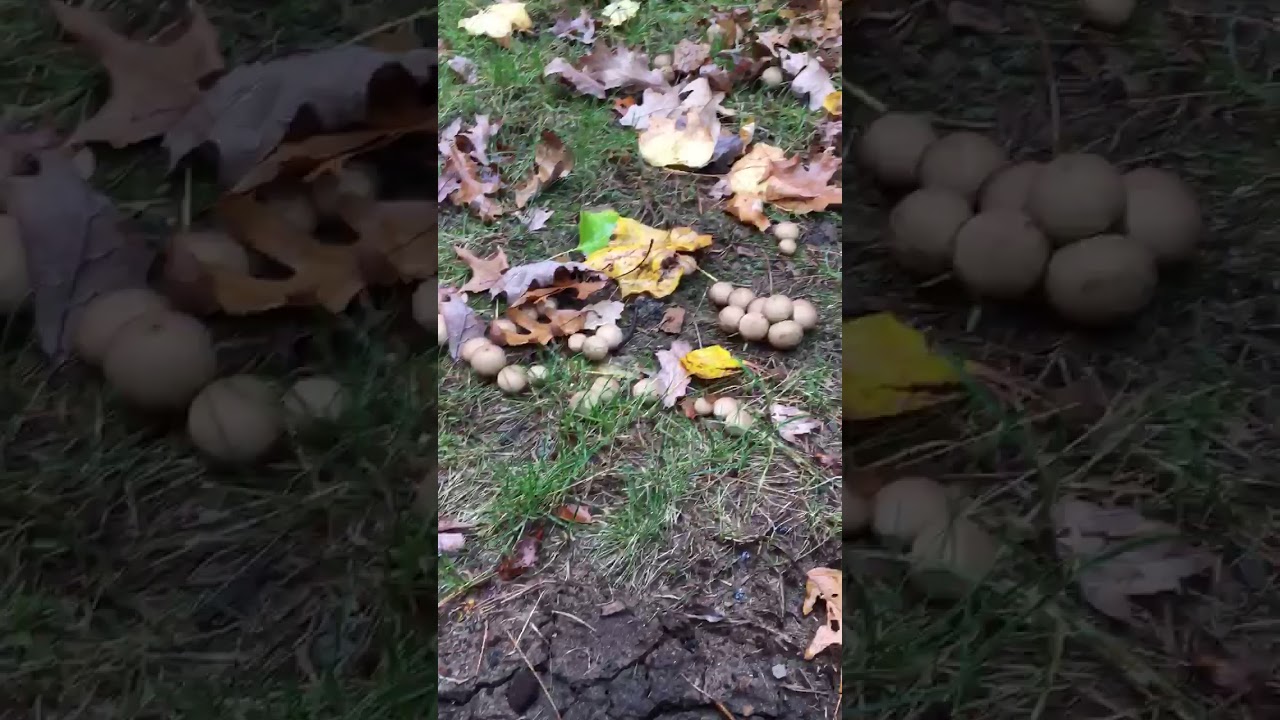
column 523, row 557
column 468, row 184
column 693, row 96
column 498, row 21
column 834, row 104
column 552, row 161
column 248, row 111
column 642, row 259
column 580, row 81
column 575, row 514
column 612, row 608
column 461, row 322
column 464, row 68
column 75, row 243
column 535, row 219
column 152, row 86
column 792, row 422
column 711, row 363
column 605, row 312
column 1119, row 554
column 622, row 68
column 447, row 542
column 672, row 378
column 1231, row 674
column 826, row 584
column 450, row 525
column 540, row 327
column 521, row 279
column 800, row 186
column 485, row 272
column 889, row 370
column 809, row 79
column 688, row 141
column 620, row 11
column 595, row 229
column 672, row 320
column 581, row 28
column 688, row 56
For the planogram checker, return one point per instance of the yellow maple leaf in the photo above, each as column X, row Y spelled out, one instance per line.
column 710, row 363
column 888, row 369
column 647, row 260
column 616, row 13
column 498, row 21
column 833, row 103
column 827, row 584
column 669, row 143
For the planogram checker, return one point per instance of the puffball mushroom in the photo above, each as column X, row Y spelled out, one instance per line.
column 595, row 348
column 903, row 508
column 646, row 390
column 786, row 334
column 661, row 61
column 668, row 73
column 892, row 145
column 922, row 228
column 488, row 360
column 741, row 297
column 739, row 422
column 235, row 419
column 729, row 318
column 469, row 348
column 719, row 293
column 777, row 308
column 575, row 342
column 961, row 162
column 950, row 557
column 757, row 305
column 1102, row 280
column 786, row 231
column 771, row 77
column 1110, row 14
column 211, row 247
column 804, row 313
column 104, row 315
column 753, row 326
column 160, row 360
column 425, row 302
column 538, row 375
column 1162, row 213
column 604, row 389
column 611, row 334
column 723, row 406
column 1076, row 195
column 1010, row 187
column 513, row 379
column 787, row 247
column 703, row 406
column 1000, row 254
column 15, row 285
column 354, row 181
column 317, row 398
column 442, row 331
column 855, row 513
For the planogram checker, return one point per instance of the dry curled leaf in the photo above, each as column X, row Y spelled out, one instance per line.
column 809, row 79
column 460, row 321
column 672, row 378
column 826, row 584
column 523, row 557
column 581, row 28
column 539, row 327
column 523, row 279
column 582, row 82
column 688, row 56
column 605, row 312
column 685, row 142
column 463, row 68
column 449, row 542
column 575, row 514
column 672, row 320
column 552, row 161
column 535, row 219
column 622, row 68
column 485, row 272
column 792, row 422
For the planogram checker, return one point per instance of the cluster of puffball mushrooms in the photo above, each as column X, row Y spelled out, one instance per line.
column 1093, row 237
column 949, row 553
column 777, row 318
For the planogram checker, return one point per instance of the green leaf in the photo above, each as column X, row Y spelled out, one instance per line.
column 595, row 229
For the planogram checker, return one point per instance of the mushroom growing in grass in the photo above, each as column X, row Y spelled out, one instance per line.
column 753, row 326
column 236, row 419
column 469, row 348
column 316, row 399
column 1010, row 187
column 960, row 162
column 106, row 314
column 703, row 406
column 646, row 390
column 903, row 508
column 160, row 360
column 538, row 375
column 771, row 77
column 922, row 229
column 722, row 407
column 1102, row 280
column 611, row 334
column 488, row 360
column 1076, row 195
column 787, row 247
column 595, row 348
column 950, row 557
column 786, row 230
column 729, row 318
column 785, row 335
column 1162, row 213
column 777, row 308
column 513, row 379
column 739, row 422
column 719, row 293
column 892, row 145
column 1000, row 254
column 741, row 297
column 804, row 313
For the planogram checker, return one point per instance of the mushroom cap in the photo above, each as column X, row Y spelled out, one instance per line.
column 647, row 390
column 804, row 313
column 922, row 229
column 235, row 419
column 855, row 513
column 1102, row 280
column 1076, row 195
column 160, row 360
column 662, row 60
column 950, row 557
column 595, row 348
column 1162, row 213
column 785, row 335
column 719, row 292
column 771, row 76
column 1010, row 187
column 961, row 162
column 104, row 315
column 356, row 180
column 786, row 230
column 316, row 398
column 1108, row 13
column 729, row 317
column 753, row 326
column 425, row 302
column 604, row 389
column 488, row 360
column 741, row 297
column 739, row 422
column 778, row 308
column 723, row 406
column 1000, row 254
column 442, row 331
column 787, row 247
column 469, row 348
column 611, row 334
column 513, row 379
column 901, row 509
column 576, row 340
column 757, row 305
column 538, row 375
column 15, row 284
column 892, row 145
column 703, row 406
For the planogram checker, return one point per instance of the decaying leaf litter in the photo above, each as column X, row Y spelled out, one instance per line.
column 1090, row 517
column 587, row 302
column 337, row 145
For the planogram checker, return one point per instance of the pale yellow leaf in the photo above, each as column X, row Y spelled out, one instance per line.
column 665, row 144
column 616, row 13
column 826, row 584
column 643, row 259
column 498, row 21
column 710, row 363
column 889, row 369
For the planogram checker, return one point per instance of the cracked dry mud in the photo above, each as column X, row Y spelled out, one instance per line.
column 641, row 663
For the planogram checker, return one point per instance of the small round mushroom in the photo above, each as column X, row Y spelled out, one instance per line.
column 804, row 313
column 753, row 326
column 215, row 248
column 425, row 302
column 960, row 162
column 729, row 318
column 922, row 229
column 950, row 557
column 160, row 360
column 1162, row 213
column 723, row 406
column 741, row 297
column 662, row 60
column 785, row 335
column 778, row 308
column 855, row 513
column 787, row 247
column 611, row 334
column 668, row 74
column 104, row 315
column 646, row 390
column 1076, row 195
column 595, row 348
column 892, row 145
column 513, row 379
column 580, row 401
column 469, row 348
column 901, row 509
column 703, row 406
column 314, row 399
column 604, row 388
column 719, row 293
column 575, row 342
column 354, row 181
column 739, row 422
column 771, row 77
column 1109, row 14
column 442, row 331
column 15, row 285
column 757, row 306
column 538, row 375
column 786, row 230
column 1102, row 280
column 488, row 360
column 1010, row 187
column 1000, row 254
column 235, row 419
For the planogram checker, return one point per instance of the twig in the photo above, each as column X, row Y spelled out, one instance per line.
column 1051, row 81
column 468, row 587
column 704, row 272
column 719, row 705
column 484, row 640
column 865, row 97
column 574, row 618
column 392, row 25
column 529, row 665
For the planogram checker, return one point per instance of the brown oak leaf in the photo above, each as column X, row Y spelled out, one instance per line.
column 672, row 378
column 533, row 327
column 551, row 161
column 485, row 272
column 689, row 56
